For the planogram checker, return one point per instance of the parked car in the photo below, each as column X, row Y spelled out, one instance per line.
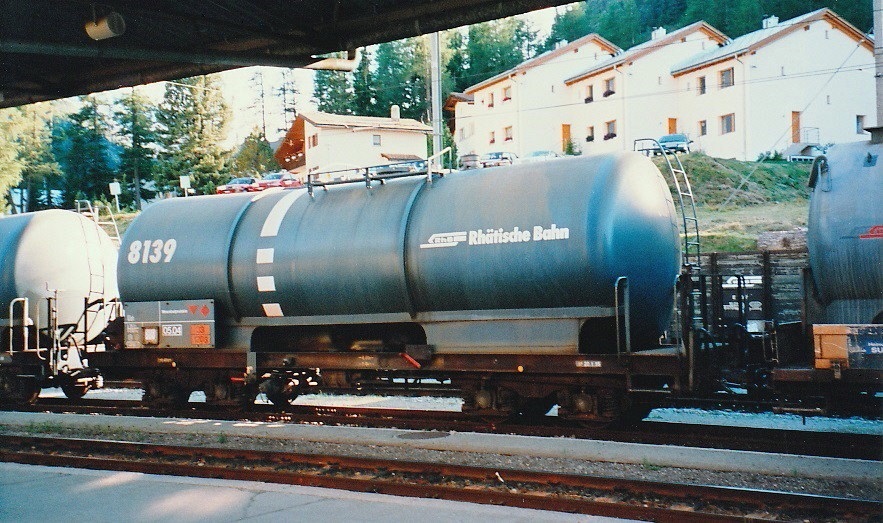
column 678, row 143
column 236, row 185
column 279, row 179
column 469, row 161
column 539, row 156
column 497, row 159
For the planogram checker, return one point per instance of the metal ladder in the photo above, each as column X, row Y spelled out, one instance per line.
column 94, row 302
column 686, row 199
column 692, row 310
column 94, row 212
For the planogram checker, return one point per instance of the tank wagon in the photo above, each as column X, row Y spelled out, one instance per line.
column 498, row 282
column 844, row 284
column 57, row 286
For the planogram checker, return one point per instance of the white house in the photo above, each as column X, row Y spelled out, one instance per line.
column 809, row 79
column 528, row 107
column 633, row 95
column 321, row 142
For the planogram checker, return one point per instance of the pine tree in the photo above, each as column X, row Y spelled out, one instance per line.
column 256, row 83
column 192, row 123
column 364, row 88
column 87, row 162
column 255, row 156
column 10, row 162
column 402, row 78
column 40, row 171
column 493, row 47
column 332, row 92
column 135, row 116
column 287, row 93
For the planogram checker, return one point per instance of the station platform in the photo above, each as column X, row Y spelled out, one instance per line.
column 49, row 494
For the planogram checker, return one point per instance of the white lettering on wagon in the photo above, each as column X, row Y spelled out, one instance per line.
column 497, row 236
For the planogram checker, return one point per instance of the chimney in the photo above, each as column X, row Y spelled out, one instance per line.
column 395, row 113
column 658, row 33
column 770, row 21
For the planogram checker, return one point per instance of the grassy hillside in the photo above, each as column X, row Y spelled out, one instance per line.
column 739, row 200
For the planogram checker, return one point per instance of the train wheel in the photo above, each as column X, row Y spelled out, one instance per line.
column 281, row 389
column 165, row 393
column 75, row 392
column 536, row 407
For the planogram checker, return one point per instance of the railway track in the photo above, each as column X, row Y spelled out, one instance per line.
column 558, row 492
column 838, row 445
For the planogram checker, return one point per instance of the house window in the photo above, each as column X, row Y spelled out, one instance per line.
column 590, row 93
column 314, row 140
column 508, row 133
column 492, row 137
column 375, row 139
column 611, row 130
column 490, row 100
column 700, row 86
column 728, row 123
column 462, row 133
column 727, row 78
column 590, row 133
column 828, row 99
column 609, row 86
column 507, row 93
column 860, row 124
column 703, row 128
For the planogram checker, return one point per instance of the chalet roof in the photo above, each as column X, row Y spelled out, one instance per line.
column 757, row 39
column 354, row 122
column 640, row 50
column 602, row 42
column 455, row 98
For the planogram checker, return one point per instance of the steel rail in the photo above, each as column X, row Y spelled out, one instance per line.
column 546, row 491
column 807, row 443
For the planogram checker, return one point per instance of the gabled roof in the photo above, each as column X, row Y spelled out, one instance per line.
column 646, row 48
column 353, row 122
column 455, row 98
column 757, row 39
column 605, row 44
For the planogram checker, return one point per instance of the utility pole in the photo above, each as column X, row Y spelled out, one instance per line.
column 435, row 90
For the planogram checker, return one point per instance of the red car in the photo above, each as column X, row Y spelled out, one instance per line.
column 236, row 185
column 280, row 179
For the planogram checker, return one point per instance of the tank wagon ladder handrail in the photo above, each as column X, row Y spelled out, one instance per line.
column 25, row 320
column 622, row 308
column 87, row 209
column 95, row 296
column 686, row 198
column 430, row 162
column 367, row 177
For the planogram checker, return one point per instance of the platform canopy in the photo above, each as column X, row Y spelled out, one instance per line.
column 58, row 48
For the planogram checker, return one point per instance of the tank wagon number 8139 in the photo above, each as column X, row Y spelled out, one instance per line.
column 151, row 251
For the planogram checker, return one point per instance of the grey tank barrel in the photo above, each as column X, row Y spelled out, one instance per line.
column 845, row 233
column 534, row 236
column 56, row 254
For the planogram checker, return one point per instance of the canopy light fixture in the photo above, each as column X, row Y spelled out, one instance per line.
column 108, row 27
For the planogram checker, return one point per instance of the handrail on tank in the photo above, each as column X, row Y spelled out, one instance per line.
column 367, row 177
column 622, row 286
column 25, row 319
